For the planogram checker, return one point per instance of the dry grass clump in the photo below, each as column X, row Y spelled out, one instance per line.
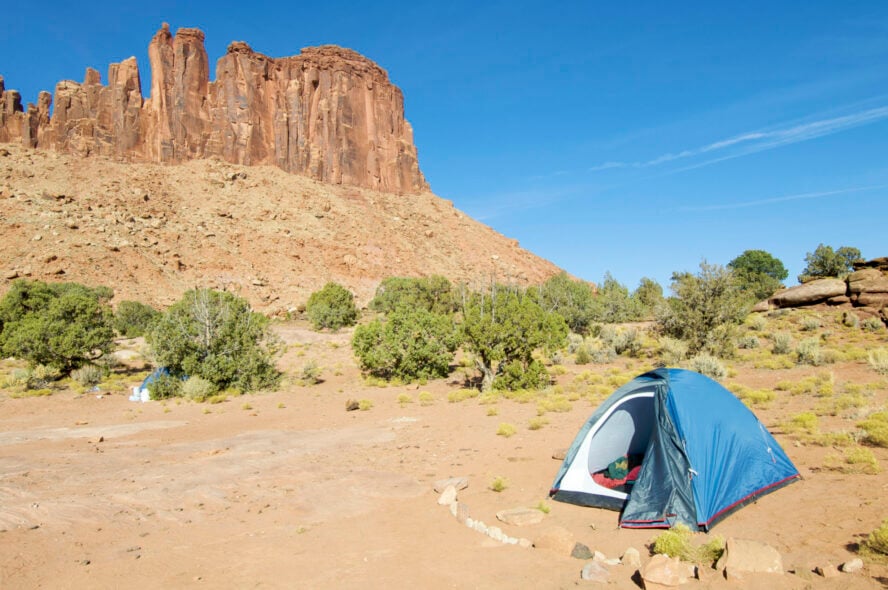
column 678, row 542
column 461, row 395
column 553, row 403
column 752, row 397
column 876, row 544
column 506, row 430
column 878, row 360
column 854, row 460
column 805, row 422
column 498, row 484
column 875, row 428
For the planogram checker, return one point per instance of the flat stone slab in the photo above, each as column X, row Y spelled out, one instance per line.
column 460, row 483
column 520, row 516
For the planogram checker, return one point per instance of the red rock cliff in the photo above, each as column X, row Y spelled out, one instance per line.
column 328, row 113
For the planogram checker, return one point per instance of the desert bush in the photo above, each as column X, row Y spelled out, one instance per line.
column 811, row 323
column 808, row 352
column 850, row 319
column 613, row 303
column 197, row 389
column 583, row 357
column 709, row 366
column 574, row 342
column 603, row 353
column 64, row 325
column 673, row 351
column 19, row 377
column 757, row 322
column 332, row 307
column 536, row 423
column 434, row 294
column 705, row 310
column 878, row 360
column 877, row 541
column 875, row 427
column 215, row 335
column 88, row 375
column 782, row 343
column 134, row 318
column 627, row 342
column 461, row 395
column 165, row 386
column 410, row 344
column 311, row 373
column 503, row 328
column 872, row 324
column 748, row 342
column 804, row 422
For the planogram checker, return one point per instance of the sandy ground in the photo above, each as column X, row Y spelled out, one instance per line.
column 287, row 489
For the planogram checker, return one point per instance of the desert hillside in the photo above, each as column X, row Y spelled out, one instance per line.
column 153, row 231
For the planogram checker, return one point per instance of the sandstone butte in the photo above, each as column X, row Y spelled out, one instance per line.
column 328, row 113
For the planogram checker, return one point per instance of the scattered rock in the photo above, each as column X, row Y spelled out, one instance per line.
column 826, row 570
column 665, row 572
column 743, row 555
column 853, row 566
column 581, row 551
column 631, row 558
column 595, row 572
column 559, row 454
column 448, row 496
column 556, row 539
column 460, row 483
column 602, row 558
column 520, row 516
column 10, row 275
column 352, row 405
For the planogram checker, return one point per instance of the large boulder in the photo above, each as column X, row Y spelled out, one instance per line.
column 811, row 292
column 868, row 280
column 743, row 556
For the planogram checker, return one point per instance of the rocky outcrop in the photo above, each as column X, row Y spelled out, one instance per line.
column 328, row 113
column 865, row 289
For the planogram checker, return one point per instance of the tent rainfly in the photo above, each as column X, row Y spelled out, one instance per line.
column 672, row 446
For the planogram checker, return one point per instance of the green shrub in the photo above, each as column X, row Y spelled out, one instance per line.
column 826, row 262
column 88, row 375
column 410, row 344
column 196, row 388
column 705, row 310
column 434, row 294
column 215, row 335
column 582, row 356
column 64, row 325
column 709, row 366
column 759, row 273
column 134, row 318
column 878, row 360
column 872, row 324
column 503, row 328
column 332, row 307
column 782, row 343
column 165, row 387
column 499, row 484
column 574, row 342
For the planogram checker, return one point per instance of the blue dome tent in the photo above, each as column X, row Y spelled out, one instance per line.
column 672, row 446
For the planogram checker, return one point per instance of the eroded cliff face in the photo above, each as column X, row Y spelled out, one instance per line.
column 328, row 113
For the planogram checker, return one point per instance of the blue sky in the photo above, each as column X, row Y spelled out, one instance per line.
column 636, row 139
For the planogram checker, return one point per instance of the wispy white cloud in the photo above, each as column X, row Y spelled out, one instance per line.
column 757, row 141
column 782, row 199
